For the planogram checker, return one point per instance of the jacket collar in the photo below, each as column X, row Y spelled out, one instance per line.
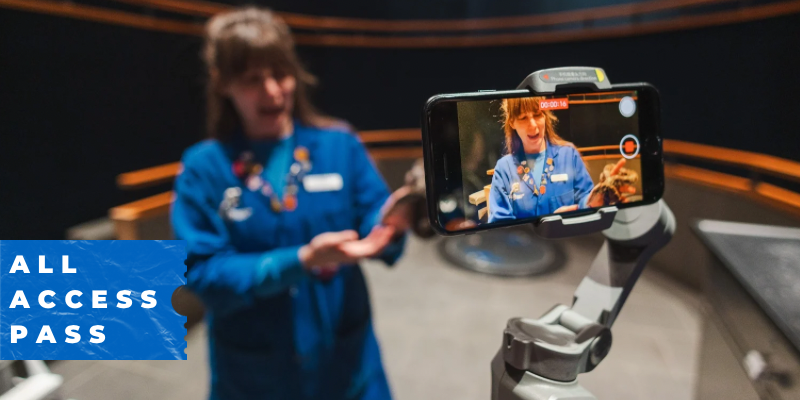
column 306, row 136
column 303, row 135
column 551, row 151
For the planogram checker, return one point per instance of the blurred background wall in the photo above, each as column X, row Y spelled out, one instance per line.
column 82, row 101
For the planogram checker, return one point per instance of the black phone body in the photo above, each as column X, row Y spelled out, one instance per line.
column 464, row 141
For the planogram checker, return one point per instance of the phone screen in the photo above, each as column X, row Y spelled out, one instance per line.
column 522, row 158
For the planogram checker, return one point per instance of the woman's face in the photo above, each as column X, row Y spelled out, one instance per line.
column 264, row 98
column 530, row 128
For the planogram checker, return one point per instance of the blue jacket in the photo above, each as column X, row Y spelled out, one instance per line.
column 572, row 185
column 275, row 331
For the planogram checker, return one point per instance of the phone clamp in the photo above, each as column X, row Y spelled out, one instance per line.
column 541, row 358
column 559, row 226
column 546, row 81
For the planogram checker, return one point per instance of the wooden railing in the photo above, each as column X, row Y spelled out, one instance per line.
column 413, row 33
column 750, row 184
column 756, row 162
column 330, row 23
column 406, row 143
column 148, row 177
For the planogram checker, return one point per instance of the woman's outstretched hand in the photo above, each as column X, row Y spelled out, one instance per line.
column 406, row 209
column 398, row 214
column 566, row 208
column 328, row 251
column 324, row 250
column 370, row 246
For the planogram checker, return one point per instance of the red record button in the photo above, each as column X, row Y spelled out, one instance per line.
column 629, row 146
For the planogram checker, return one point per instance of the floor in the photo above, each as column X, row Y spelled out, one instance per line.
column 439, row 327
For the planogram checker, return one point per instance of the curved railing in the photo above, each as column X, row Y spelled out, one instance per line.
column 313, row 30
column 363, row 25
column 406, row 144
column 750, row 183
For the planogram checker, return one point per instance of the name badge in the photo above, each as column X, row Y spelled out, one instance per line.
column 559, row 178
column 238, row 214
column 517, row 196
column 323, row 183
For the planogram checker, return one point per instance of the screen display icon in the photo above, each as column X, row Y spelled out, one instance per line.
column 627, row 106
column 629, row 146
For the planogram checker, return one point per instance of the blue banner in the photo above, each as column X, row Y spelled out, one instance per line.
column 91, row 300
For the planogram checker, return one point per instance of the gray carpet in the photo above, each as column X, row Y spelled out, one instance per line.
column 439, row 326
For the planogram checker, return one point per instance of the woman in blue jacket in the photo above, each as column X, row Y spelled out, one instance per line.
column 276, row 210
column 541, row 173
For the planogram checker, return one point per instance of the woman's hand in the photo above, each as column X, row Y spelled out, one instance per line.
column 396, row 213
column 328, row 251
column 370, row 246
column 566, row 208
column 406, row 208
column 324, row 251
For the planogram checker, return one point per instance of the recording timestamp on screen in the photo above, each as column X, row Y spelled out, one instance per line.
column 554, row 104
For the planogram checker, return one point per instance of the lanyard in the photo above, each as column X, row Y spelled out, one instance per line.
column 249, row 171
column 525, row 171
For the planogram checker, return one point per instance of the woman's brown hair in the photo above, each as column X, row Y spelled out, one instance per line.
column 245, row 38
column 515, row 107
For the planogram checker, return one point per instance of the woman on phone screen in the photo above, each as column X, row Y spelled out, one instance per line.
column 541, row 173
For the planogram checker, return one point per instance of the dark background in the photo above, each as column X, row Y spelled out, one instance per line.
column 81, row 102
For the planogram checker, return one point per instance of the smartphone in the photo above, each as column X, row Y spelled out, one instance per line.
column 502, row 158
